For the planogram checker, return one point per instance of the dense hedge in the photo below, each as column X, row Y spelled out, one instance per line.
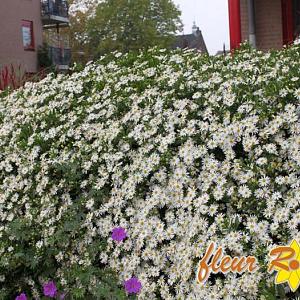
column 129, row 168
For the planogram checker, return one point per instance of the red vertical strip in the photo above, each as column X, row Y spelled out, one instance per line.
column 287, row 22
column 234, row 23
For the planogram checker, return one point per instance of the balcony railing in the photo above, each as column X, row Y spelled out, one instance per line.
column 55, row 10
column 60, row 57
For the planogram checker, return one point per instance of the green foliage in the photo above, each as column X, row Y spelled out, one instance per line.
column 126, row 25
column 44, row 60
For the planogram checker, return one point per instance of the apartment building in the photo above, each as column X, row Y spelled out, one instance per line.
column 265, row 24
column 23, row 24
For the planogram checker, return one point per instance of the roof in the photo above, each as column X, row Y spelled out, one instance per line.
column 191, row 41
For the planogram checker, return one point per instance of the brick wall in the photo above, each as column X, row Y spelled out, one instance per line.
column 244, row 20
column 268, row 17
column 268, row 24
column 12, row 12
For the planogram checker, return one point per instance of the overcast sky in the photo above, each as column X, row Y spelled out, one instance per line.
column 211, row 16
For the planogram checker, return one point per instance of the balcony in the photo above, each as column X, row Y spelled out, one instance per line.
column 55, row 13
column 60, row 57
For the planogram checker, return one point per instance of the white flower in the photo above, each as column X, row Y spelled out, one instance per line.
column 39, row 244
column 244, row 191
column 90, row 204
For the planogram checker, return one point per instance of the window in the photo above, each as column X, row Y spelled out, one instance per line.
column 27, row 34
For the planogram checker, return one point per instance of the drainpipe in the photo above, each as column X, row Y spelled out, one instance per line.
column 251, row 15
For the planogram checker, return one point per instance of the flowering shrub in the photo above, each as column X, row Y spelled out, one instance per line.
column 135, row 164
column 13, row 77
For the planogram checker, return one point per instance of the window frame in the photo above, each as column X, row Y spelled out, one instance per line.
column 28, row 24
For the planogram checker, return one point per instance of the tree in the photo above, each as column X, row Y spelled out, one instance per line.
column 130, row 25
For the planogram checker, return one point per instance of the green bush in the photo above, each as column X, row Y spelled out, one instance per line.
column 44, row 61
column 177, row 148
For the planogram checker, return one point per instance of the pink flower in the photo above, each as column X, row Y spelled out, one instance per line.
column 21, row 297
column 119, row 234
column 50, row 289
column 133, row 286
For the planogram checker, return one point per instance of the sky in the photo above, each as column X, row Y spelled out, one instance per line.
column 211, row 16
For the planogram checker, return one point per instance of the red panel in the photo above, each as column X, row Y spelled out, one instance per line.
column 287, row 22
column 235, row 23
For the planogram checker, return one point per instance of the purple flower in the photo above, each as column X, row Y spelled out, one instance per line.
column 21, row 297
column 50, row 289
column 119, row 234
column 133, row 286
